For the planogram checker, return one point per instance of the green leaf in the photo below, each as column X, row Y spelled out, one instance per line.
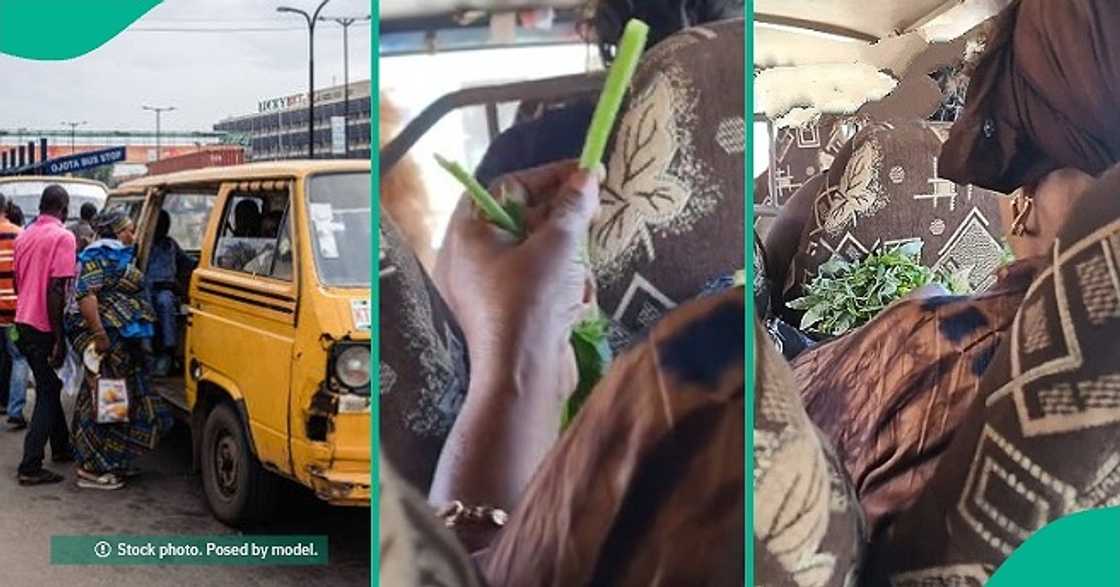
column 960, row 281
column 814, row 315
column 834, row 266
column 593, row 357
column 803, row 303
column 911, row 249
column 845, row 295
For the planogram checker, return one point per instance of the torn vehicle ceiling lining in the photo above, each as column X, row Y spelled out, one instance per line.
column 872, row 40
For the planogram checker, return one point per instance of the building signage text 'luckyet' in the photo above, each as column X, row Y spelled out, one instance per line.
column 86, row 160
column 297, row 101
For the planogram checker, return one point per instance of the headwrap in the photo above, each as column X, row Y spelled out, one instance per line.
column 1043, row 97
column 110, row 222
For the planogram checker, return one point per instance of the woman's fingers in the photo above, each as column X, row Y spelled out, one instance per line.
column 538, row 183
column 472, row 233
column 575, row 203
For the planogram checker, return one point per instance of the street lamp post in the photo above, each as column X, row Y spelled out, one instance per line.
column 158, row 111
column 311, row 18
column 345, row 23
column 73, row 131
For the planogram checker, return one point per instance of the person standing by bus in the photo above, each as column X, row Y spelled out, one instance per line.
column 44, row 265
column 83, row 228
column 13, row 367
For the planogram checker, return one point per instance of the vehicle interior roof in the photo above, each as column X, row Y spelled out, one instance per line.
column 887, row 35
column 395, row 10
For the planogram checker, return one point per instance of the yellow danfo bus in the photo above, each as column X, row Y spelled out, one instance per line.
column 275, row 326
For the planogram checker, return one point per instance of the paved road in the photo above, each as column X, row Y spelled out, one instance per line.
column 166, row 500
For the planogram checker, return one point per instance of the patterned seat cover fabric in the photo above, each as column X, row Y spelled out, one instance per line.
column 1041, row 441
column 808, row 527
column 415, row 549
column 799, row 154
column 671, row 218
column 424, row 370
column 883, row 190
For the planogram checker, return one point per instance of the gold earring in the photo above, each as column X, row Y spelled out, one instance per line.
column 1021, row 207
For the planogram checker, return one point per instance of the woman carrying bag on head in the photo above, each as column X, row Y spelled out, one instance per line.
column 117, row 416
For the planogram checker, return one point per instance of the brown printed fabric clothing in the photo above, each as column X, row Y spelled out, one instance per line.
column 415, row 549
column 671, row 211
column 646, row 486
column 808, row 527
column 882, row 191
column 1042, row 439
column 424, row 366
column 1043, row 96
column 890, row 395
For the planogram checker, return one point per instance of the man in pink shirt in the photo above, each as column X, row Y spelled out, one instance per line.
column 44, row 265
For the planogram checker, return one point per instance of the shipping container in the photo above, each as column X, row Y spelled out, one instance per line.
column 208, row 157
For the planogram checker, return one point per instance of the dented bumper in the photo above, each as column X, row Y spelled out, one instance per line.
column 343, row 488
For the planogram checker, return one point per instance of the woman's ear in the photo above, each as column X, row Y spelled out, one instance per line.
column 1053, row 201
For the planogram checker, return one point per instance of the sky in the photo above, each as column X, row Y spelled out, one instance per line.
column 206, row 76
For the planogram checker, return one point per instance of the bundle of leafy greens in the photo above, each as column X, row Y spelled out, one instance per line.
column 589, row 337
column 846, row 295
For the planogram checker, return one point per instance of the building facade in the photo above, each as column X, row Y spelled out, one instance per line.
column 278, row 130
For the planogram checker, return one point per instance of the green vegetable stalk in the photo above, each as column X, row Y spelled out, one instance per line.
column 589, row 337
column 482, row 198
column 610, row 101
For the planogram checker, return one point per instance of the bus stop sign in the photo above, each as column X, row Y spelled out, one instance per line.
column 82, row 161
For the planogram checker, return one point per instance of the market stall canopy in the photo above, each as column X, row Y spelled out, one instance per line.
column 835, row 56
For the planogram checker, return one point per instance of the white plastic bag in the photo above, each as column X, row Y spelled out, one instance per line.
column 71, row 375
column 112, row 401
column 110, row 396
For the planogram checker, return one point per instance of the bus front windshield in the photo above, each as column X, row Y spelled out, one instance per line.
column 339, row 210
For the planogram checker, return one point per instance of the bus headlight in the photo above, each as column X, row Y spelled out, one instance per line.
column 351, row 367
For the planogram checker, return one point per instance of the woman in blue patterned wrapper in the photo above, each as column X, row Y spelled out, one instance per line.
column 114, row 316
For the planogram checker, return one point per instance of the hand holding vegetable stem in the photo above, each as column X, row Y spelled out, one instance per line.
column 589, row 338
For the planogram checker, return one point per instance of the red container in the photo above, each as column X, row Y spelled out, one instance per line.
column 207, row 157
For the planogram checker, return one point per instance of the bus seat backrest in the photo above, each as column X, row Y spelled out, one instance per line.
column 671, row 218
column 882, row 190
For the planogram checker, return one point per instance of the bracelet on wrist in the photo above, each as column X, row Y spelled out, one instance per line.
column 456, row 514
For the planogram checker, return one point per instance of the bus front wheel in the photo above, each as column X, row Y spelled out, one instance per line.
column 238, row 489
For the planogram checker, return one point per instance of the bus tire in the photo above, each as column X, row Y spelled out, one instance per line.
column 238, row 489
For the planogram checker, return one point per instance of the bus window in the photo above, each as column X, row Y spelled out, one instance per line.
column 412, row 82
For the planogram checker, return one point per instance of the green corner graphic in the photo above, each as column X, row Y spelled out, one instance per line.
column 53, row 30
column 1081, row 549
